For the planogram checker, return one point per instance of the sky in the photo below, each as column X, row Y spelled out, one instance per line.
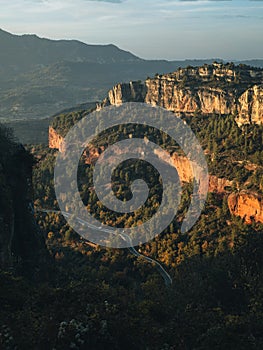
column 151, row 29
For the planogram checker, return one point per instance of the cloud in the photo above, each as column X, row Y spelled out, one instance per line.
column 206, row 0
column 150, row 28
column 113, row 1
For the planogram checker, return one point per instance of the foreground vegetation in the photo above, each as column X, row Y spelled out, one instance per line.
column 88, row 297
column 96, row 298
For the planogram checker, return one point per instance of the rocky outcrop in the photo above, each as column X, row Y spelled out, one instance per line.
column 133, row 91
column 183, row 167
column 250, row 106
column 219, row 185
column 247, row 205
column 217, row 88
column 54, row 139
column 181, row 163
column 171, row 96
column 207, row 90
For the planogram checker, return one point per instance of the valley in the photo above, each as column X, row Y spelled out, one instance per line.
column 59, row 291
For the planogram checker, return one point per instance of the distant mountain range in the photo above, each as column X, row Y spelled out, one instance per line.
column 39, row 77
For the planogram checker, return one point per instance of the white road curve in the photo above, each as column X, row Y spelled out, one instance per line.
column 165, row 275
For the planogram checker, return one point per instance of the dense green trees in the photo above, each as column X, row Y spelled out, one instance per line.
column 95, row 298
column 101, row 298
column 98, row 298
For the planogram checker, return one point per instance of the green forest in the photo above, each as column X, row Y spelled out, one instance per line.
column 82, row 296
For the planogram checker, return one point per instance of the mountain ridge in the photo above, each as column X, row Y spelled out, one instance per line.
column 40, row 76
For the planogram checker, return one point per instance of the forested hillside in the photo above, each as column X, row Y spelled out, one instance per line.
column 88, row 297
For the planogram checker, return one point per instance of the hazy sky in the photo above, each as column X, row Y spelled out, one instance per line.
column 171, row 29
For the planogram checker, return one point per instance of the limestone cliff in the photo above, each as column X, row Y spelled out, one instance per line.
column 247, row 205
column 220, row 89
column 54, row 139
column 133, row 91
column 217, row 88
column 181, row 163
column 250, row 106
column 183, row 167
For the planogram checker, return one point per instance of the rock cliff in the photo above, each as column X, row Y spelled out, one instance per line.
column 250, row 106
column 54, row 139
column 183, row 167
column 217, row 88
column 247, row 205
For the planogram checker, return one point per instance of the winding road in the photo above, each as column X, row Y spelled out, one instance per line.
column 165, row 275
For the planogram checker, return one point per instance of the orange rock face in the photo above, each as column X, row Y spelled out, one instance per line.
column 55, row 140
column 181, row 163
column 183, row 167
column 247, row 205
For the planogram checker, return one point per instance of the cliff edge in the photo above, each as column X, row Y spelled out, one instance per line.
column 211, row 89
